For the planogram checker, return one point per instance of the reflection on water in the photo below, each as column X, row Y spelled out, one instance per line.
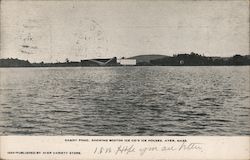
column 125, row 101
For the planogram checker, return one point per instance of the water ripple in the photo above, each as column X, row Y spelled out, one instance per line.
column 125, row 101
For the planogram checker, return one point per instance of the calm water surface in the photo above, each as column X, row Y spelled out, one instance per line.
column 125, row 101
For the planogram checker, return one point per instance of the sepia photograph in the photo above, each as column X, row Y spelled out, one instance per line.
column 124, row 68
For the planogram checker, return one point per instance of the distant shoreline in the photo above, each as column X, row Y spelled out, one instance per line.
column 126, row 66
column 191, row 59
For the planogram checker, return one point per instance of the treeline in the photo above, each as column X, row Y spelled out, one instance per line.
column 10, row 62
column 194, row 59
column 58, row 64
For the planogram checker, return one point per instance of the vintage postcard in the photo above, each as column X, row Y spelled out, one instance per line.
column 124, row 79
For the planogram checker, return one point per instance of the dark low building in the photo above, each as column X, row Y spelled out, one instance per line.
column 100, row 62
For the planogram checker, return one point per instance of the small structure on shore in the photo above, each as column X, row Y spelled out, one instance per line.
column 181, row 62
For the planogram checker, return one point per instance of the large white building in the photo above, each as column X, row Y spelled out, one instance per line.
column 127, row 62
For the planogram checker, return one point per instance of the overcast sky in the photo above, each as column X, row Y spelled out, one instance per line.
column 55, row 30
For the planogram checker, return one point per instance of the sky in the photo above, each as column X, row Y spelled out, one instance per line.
column 52, row 31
